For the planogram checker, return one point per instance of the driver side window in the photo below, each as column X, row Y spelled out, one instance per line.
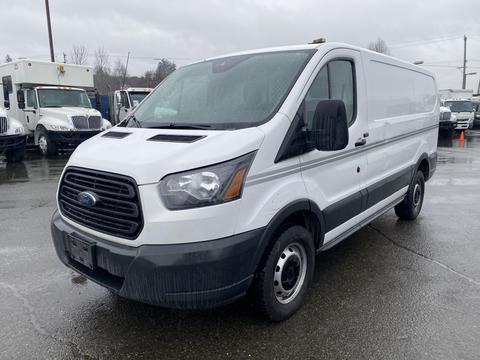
column 335, row 81
column 31, row 98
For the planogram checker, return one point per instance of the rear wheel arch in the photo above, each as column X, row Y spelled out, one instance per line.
column 423, row 165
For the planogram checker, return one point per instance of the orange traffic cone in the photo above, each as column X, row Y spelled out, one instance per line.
column 462, row 136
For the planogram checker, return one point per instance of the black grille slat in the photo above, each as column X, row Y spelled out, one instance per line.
column 118, row 211
column 113, row 207
column 176, row 138
column 3, row 124
column 94, row 122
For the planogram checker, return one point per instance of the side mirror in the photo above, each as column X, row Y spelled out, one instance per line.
column 21, row 99
column 6, row 104
column 330, row 126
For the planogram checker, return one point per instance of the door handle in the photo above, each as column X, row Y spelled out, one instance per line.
column 360, row 142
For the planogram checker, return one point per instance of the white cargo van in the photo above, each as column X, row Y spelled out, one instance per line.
column 51, row 102
column 124, row 101
column 12, row 138
column 235, row 171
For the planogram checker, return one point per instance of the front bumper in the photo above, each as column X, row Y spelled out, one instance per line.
column 198, row 275
column 71, row 138
column 448, row 125
column 12, row 142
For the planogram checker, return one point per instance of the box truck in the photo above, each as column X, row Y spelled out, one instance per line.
column 236, row 171
column 124, row 101
column 51, row 101
column 12, row 137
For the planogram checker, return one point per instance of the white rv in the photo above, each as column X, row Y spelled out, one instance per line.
column 236, row 171
column 51, row 102
column 124, row 101
column 12, row 137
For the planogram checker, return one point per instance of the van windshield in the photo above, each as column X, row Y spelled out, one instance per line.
column 226, row 93
column 63, row 98
column 460, row 106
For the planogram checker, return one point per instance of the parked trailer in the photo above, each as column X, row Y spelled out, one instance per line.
column 51, row 102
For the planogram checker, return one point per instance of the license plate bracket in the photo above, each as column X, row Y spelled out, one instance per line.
column 81, row 251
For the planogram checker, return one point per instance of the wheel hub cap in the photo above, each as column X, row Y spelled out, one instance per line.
column 289, row 273
column 42, row 143
column 417, row 195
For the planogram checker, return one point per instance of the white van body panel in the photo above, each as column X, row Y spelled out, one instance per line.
column 395, row 143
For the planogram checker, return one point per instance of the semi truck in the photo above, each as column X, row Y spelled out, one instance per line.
column 12, row 138
column 51, row 102
column 124, row 101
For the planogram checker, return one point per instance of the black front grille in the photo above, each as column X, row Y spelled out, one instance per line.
column 445, row 115
column 3, row 124
column 94, row 122
column 117, row 211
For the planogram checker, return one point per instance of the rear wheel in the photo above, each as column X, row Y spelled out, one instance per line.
column 282, row 284
column 410, row 207
column 46, row 146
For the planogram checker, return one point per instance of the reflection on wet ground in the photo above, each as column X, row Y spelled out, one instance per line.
column 34, row 168
column 393, row 290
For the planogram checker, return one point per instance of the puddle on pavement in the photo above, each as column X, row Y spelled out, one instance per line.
column 33, row 168
column 78, row 279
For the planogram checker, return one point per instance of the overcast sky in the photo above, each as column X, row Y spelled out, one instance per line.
column 187, row 30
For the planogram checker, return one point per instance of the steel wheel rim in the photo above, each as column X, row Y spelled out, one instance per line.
column 42, row 144
column 289, row 273
column 417, row 195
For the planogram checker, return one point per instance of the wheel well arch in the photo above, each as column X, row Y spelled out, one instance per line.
column 423, row 164
column 302, row 212
column 36, row 133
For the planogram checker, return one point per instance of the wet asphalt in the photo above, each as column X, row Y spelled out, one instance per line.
column 393, row 290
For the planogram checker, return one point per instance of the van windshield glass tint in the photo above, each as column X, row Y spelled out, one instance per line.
column 226, row 93
column 460, row 106
column 63, row 98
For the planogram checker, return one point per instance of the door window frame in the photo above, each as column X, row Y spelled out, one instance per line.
column 295, row 142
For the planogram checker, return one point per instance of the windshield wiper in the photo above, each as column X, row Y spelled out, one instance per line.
column 180, row 126
column 132, row 118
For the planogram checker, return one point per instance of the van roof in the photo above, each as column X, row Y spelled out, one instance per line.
column 327, row 46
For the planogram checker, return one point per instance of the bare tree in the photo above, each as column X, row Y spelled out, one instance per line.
column 102, row 61
column 379, row 46
column 119, row 71
column 79, row 55
column 164, row 68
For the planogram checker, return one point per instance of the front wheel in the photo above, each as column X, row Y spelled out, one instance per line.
column 282, row 284
column 410, row 207
column 46, row 146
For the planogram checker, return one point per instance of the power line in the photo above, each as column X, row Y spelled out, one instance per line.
column 425, row 41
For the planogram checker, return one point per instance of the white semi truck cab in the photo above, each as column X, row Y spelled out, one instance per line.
column 51, row 102
column 123, row 101
column 12, row 137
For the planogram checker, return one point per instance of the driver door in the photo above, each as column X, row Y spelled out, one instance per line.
column 335, row 179
column 31, row 111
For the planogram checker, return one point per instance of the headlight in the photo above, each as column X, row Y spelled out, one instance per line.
column 210, row 185
column 18, row 131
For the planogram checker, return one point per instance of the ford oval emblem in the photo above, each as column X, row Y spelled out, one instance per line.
column 87, row 198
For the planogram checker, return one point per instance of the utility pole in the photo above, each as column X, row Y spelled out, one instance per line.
column 464, row 82
column 64, row 58
column 50, row 39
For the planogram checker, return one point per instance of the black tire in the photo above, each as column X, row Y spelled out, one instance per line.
column 290, row 242
column 411, row 205
column 46, row 147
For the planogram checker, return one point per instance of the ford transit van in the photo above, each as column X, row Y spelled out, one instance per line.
column 236, row 171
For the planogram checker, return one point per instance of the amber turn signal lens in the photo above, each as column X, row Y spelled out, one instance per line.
column 235, row 188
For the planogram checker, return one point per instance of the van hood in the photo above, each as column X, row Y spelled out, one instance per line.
column 65, row 112
column 133, row 152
